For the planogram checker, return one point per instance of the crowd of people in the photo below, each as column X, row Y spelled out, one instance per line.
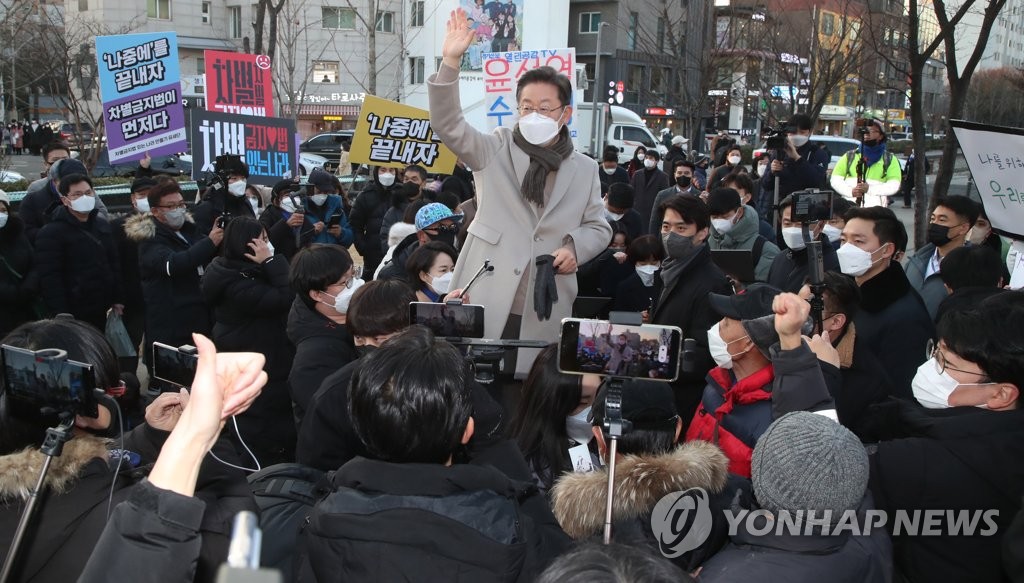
column 28, row 137
column 902, row 396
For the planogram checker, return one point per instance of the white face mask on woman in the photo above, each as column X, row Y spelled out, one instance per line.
column 578, row 428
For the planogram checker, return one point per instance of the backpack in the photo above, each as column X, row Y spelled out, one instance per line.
column 757, row 249
column 285, row 494
column 886, row 160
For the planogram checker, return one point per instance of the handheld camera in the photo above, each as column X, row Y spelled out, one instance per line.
column 777, row 140
column 223, row 220
column 176, row 366
column 45, row 382
column 644, row 351
column 812, row 205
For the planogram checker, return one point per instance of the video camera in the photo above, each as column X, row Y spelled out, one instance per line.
column 45, row 383
column 777, row 139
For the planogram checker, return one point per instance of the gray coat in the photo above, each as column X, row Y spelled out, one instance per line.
column 506, row 229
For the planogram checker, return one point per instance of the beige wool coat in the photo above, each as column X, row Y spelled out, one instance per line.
column 506, row 228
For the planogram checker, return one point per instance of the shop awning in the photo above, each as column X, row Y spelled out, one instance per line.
column 319, row 110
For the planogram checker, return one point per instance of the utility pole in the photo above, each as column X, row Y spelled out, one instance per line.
column 594, row 139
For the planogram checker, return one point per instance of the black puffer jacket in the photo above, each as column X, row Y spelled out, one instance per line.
column 217, row 202
column 170, row 268
column 128, row 254
column 79, row 272
column 322, row 347
column 41, row 199
column 366, row 220
column 428, row 522
column 19, row 281
column 250, row 305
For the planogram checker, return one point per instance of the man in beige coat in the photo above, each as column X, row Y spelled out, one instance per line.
column 535, row 196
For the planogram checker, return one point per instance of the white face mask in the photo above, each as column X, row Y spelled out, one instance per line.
column 646, row 274
column 386, row 179
column 797, row 140
column 442, row 284
column 794, row 238
column 720, row 348
column 255, row 204
column 237, row 188
column 83, row 204
column 319, row 199
column 341, row 300
column 723, row 226
column 608, row 171
column 649, row 164
column 270, row 247
column 578, row 428
column 3, row 220
column 833, row 233
column 641, row 157
column 734, row 160
column 538, row 129
column 854, row 261
column 612, row 216
column 287, row 204
column 932, row 389
column 977, row 236
column 142, row 205
column 761, row 168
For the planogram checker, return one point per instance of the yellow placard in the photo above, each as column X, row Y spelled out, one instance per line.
column 394, row 135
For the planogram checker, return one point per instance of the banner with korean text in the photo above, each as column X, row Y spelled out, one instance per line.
column 141, row 90
column 391, row 134
column 266, row 144
column 503, row 70
column 238, row 83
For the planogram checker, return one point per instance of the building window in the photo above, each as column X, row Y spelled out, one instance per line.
column 828, row 24
column 385, row 22
column 416, row 73
column 658, row 79
column 634, row 23
column 634, row 83
column 437, row 63
column 83, row 5
column 200, row 65
column 206, row 13
column 235, row 21
column 158, row 9
column 590, row 22
column 325, row 71
column 338, row 18
column 849, row 97
column 416, row 13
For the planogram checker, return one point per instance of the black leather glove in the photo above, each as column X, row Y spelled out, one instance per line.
column 545, row 291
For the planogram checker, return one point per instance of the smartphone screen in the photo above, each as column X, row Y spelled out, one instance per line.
column 449, row 320
column 600, row 347
column 812, row 206
column 174, row 366
column 38, row 383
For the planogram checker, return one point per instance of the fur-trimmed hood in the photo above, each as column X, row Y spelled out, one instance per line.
column 640, row 481
column 399, row 231
column 143, row 226
column 20, row 470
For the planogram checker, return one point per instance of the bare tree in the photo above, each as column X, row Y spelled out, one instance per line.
column 996, row 97
column 267, row 16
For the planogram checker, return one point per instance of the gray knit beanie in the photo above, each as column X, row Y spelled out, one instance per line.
column 806, row 461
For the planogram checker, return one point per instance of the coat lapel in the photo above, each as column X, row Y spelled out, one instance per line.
column 563, row 181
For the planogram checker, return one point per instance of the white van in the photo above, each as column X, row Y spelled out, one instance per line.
column 622, row 128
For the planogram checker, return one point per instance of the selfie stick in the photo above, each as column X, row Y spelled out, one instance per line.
column 816, row 274
column 483, row 269
column 52, row 447
column 614, row 424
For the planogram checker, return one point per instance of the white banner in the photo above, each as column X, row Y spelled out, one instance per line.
column 503, row 70
column 995, row 156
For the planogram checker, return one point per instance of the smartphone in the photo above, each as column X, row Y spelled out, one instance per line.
column 812, row 205
column 175, row 365
column 599, row 347
column 449, row 320
column 334, row 221
column 45, row 381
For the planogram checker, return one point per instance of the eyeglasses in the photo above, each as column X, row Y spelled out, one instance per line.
column 174, row 207
column 76, row 195
column 526, row 110
column 940, row 361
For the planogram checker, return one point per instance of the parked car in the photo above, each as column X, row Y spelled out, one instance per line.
column 327, row 145
column 836, row 146
column 73, row 133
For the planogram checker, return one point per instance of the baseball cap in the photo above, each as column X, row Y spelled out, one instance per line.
column 753, row 302
column 723, row 200
column 434, row 213
column 322, row 181
column 676, row 140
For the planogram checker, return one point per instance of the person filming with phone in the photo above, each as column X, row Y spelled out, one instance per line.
column 540, row 211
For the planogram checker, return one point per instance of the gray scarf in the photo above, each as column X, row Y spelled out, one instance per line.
column 543, row 159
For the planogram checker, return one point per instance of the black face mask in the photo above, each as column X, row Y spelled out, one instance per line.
column 364, row 350
column 938, row 235
column 446, row 236
column 683, row 181
column 871, row 143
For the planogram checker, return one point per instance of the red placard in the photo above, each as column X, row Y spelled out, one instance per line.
column 238, row 83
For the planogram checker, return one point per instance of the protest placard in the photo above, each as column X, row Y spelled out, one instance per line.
column 995, row 156
column 141, row 92
column 391, row 134
column 267, row 144
column 238, row 83
column 503, row 70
